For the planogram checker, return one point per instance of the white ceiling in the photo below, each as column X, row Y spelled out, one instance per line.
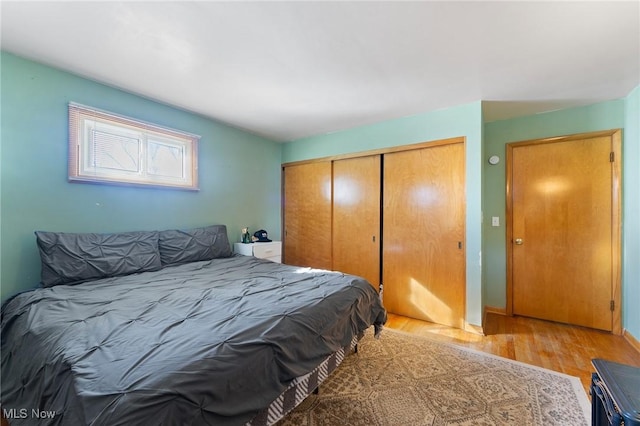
column 287, row 70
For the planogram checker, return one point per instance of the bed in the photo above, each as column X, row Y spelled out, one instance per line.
column 169, row 327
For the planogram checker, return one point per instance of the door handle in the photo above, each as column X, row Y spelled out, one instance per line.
column 518, row 241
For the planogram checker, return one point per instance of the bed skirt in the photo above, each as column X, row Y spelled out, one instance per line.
column 301, row 387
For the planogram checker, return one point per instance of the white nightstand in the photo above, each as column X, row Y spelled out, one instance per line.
column 271, row 251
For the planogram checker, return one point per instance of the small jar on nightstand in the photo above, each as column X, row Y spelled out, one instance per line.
column 271, row 251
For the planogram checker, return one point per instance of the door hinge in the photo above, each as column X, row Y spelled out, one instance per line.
column 612, row 305
column 612, row 157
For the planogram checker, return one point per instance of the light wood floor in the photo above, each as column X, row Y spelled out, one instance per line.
column 559, row 347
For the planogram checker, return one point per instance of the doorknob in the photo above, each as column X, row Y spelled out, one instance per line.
column 518, row 241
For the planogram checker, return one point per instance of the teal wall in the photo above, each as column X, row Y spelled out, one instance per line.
column 486, row 184
column 239, row 173
column 631, row 215
column 464, row 120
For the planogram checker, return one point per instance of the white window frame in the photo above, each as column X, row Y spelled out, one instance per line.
column 134, row 142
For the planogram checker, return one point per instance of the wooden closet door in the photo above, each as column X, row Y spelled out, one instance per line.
column 356, row 217
column 307, row 215
column 423, row 234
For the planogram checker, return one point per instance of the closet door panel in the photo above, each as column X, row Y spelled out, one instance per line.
column 423, row 234
column 356, row 217
column 307, row 214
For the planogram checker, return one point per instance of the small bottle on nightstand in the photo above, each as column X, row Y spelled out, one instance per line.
column 246, row 237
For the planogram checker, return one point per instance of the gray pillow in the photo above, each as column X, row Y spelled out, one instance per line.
column 192, row 245
column 73, row 258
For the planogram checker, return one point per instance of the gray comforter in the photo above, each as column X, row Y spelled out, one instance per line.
column 202, row 343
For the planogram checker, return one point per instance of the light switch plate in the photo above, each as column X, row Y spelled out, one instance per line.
column 495, row 221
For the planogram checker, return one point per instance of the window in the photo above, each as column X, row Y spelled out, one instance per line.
column 106, row 147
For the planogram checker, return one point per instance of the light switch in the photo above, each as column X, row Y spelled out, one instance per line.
column 495, row 221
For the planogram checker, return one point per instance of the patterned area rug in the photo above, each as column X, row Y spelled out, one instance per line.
column 410, row 380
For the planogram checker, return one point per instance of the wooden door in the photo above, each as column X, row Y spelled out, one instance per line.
column 423, row 234
column 307, row 214
column 564, row 233
column 356, row 217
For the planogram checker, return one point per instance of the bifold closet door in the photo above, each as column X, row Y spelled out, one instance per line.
column 356, row 217
column 423, row 234
column 307, row 214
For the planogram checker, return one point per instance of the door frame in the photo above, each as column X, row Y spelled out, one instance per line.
column 616, row 207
